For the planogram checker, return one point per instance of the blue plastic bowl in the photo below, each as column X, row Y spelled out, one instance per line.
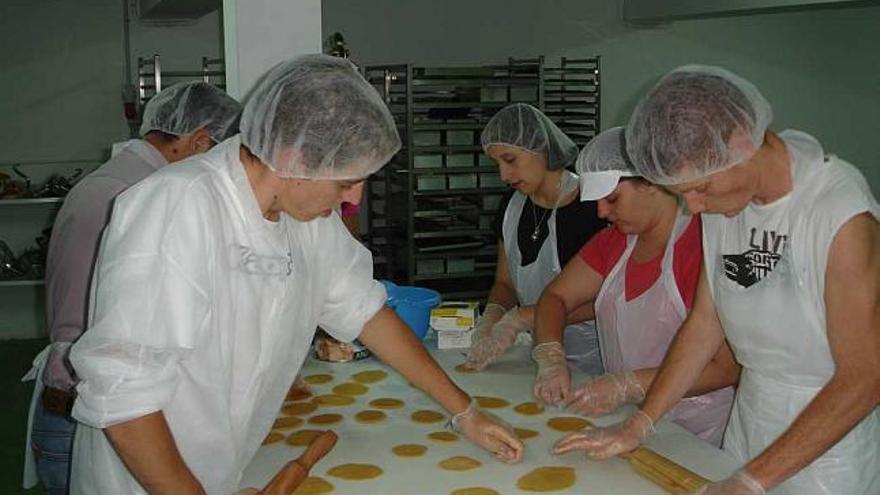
column 413, row 305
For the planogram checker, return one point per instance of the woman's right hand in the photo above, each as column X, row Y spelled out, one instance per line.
column 603, row 395
column 553, row 381
column 485, row 344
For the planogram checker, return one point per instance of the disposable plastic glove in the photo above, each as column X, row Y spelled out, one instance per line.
column 740, row 483
column 489, row 432
column 602, row 443
column 602, row 395
column 494, row 335
column 553, row 381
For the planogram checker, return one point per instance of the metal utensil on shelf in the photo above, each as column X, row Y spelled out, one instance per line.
column 9, row 267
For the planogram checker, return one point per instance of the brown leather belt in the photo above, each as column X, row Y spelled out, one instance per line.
column 57, row 401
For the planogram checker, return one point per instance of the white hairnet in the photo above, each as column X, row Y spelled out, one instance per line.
column 524, row 126
column 602, row 163
column 696, row 121
column 316, row 117
column 189, row 106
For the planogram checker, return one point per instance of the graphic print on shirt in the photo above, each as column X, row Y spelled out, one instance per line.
column 749, row 267
column 264, row 265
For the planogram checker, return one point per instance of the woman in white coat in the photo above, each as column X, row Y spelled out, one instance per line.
column 791, row 280
column 211, row 279
column 540, row 227
column 640, row 273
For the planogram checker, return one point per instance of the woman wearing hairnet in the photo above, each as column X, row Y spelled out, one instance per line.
column 791, row 278
column 541, row 228
column 212, row 278
column 182, row 120
column 641, row 274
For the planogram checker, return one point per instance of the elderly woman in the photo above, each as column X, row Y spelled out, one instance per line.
column 212, row 279
column 641, row 273
column 791, row 279
column 541, row 227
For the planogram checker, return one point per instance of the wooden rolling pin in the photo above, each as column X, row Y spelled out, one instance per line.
column 297, row 470
column 669, row 475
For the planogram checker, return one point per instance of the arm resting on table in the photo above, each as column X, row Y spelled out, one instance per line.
column 699, row 340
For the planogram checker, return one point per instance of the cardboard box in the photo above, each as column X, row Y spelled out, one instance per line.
column 454, row 339
column 454, row 316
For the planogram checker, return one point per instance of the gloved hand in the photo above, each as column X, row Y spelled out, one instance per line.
column 494, row 335
column 602, row 443
column 489, row 432
column 602, row 395
column 740, row 483
column 553, row 381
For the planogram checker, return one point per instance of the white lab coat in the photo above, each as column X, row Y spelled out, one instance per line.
column 204, row 310
column 579, row 339
column 636, row 334
column 769, row 294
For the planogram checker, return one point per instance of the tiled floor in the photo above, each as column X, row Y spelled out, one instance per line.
column 15, row 361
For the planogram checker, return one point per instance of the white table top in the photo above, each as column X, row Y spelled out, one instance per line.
column 511, row 379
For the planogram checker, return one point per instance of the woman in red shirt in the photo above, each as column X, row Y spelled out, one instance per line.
column 641, row 274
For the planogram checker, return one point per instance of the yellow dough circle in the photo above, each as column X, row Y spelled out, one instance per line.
column 273, row 437
column 350, row 388
column 443, row 436
column 287, row 422
column 409, row 450
column 465, row 369
column 355, row 471
column 299, row 408
column 567, row 423
column 298, row 394
column 490, row 402
column 459, row 463
column 313, row 485
column 525, row 434
column 318, row 379
column 325, row 419
column 386, row 403
column 333, row 400
column 369, row 416
column 476, row 490
column 301, row 438
column 425, row 416
column 547, row 479
column 529, row 408
column 369, row 376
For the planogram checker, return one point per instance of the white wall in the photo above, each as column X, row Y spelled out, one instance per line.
column 62, row 66
column 819, row 68
column 262, row 33
column 62, row 69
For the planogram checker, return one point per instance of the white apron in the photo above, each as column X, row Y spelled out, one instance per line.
column 636, row 334
column 580, row 340
column 779, row 337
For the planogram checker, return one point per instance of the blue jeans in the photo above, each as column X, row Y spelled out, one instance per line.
column 52, row 442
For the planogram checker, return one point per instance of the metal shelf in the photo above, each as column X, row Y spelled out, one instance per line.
column 21, row 283
column 447, row 276
column 439, row 234
column 417, row 225
column 30, row 201
column 447, row 192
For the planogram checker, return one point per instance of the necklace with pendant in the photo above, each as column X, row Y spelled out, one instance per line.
column 536, row 234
